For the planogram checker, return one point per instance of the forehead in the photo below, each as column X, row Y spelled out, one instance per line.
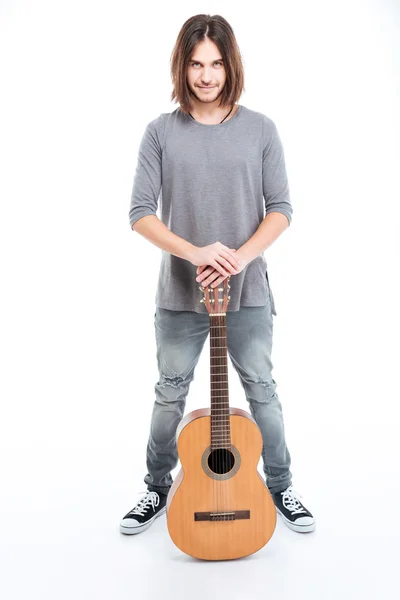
column 205, row 52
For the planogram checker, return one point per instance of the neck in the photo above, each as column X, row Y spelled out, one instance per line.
column 211, row 114
column 220, row 414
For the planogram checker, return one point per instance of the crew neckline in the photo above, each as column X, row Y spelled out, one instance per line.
column 215, row 124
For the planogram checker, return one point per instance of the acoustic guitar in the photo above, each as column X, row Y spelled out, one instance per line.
column 219, row 506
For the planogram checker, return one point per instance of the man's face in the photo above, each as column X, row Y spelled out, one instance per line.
column 206, row 68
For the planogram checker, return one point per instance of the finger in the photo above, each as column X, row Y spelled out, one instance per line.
column 206, row 271
column 213, row 278
column 231, row 258
column 202, row 267
column 216, row 282
column 218, row 267
column 230, row 251
column 227, row 263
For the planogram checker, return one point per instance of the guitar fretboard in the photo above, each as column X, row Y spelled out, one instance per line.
column 220, row 418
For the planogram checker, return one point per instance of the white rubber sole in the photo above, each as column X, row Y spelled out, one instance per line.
column 298, row 528
column 139, row 528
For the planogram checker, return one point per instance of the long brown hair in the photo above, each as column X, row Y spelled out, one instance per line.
column 197, row 29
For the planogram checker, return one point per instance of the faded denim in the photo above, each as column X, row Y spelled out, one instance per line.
column 180, row 337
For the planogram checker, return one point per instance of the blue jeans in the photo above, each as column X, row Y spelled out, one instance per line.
column 180, row 337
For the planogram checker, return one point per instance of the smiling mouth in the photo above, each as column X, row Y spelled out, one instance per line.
column 209, row 87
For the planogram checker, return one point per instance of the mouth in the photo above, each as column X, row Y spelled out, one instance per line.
column 210, row 87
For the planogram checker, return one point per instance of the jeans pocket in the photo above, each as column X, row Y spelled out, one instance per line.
column 271, row 296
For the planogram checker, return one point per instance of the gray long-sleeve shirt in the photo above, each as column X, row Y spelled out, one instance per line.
column 215, row 183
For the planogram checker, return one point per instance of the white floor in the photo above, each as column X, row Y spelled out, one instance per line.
column 60, row 538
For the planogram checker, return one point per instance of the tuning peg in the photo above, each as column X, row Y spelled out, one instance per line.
column 229, row 297
column 201, row 288
column 203, row 300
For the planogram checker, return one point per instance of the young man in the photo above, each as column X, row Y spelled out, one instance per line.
column 224, row 199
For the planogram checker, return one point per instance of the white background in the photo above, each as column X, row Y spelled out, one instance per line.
column 80, row 81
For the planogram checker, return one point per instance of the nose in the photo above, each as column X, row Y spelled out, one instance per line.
column 205, row 78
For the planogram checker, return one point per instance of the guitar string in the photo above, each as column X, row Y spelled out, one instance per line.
column 221, row 453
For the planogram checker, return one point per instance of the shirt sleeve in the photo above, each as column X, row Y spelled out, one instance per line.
column 147, row 179
column 274, row 177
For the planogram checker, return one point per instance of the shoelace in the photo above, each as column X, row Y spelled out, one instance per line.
column 290, row 499
column 150, row 499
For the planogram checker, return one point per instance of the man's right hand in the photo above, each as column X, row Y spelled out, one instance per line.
column 216, row 255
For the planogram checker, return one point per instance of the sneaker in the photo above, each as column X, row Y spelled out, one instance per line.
column 144, row 512
column 294, row 513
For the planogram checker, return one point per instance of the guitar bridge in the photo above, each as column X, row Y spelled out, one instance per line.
column 222, row 516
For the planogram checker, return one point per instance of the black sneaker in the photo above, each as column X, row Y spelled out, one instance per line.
column 144, row 512
column 294, row 513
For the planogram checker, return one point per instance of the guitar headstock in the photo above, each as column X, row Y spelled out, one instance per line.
column 216, row 298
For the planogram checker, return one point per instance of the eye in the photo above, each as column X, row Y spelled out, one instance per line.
column 217, row 62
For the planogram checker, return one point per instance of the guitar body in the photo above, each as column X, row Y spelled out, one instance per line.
column 219, row 506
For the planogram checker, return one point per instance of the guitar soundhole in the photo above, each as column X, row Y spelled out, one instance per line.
column 221, row 461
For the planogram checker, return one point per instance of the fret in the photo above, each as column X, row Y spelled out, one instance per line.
column 220, row 409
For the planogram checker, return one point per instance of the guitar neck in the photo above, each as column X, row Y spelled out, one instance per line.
column 220, row 415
